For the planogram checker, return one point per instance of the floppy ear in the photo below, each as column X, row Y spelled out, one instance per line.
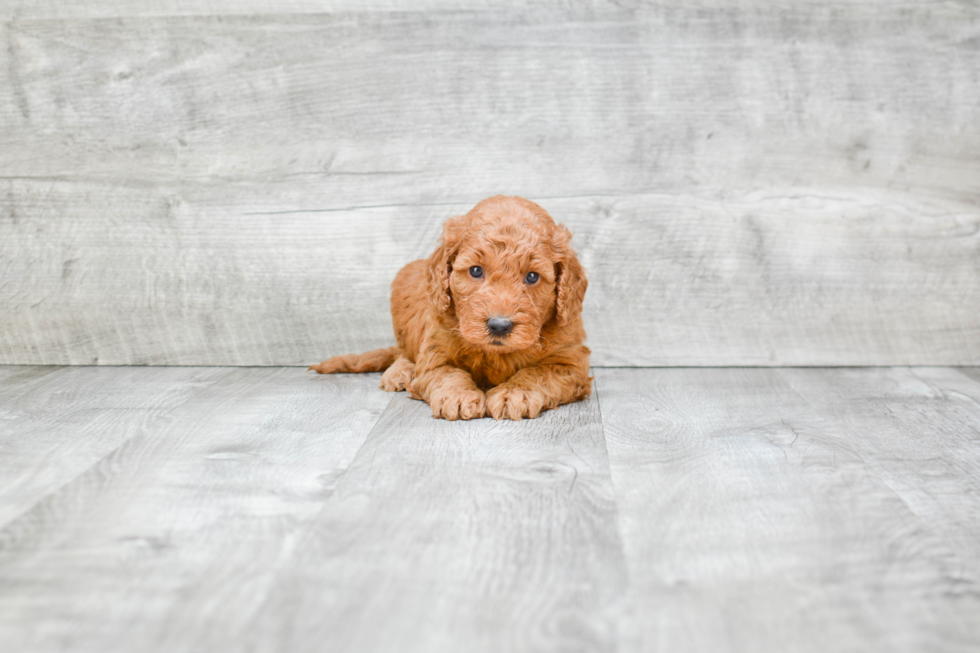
column 570, row 278
column 441, row 262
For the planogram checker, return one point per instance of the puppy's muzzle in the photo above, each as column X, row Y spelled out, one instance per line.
column 500, row 326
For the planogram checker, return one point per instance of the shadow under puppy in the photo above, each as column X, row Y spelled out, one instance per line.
column 491, row 323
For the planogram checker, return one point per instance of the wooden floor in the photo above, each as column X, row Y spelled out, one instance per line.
column 269, row 509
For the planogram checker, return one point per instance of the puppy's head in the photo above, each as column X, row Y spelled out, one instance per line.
column 505, row 269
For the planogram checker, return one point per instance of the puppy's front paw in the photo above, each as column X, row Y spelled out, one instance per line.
column 514, row 403
column 458, row 404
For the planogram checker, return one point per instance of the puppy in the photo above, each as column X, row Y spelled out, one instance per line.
column 491, row 323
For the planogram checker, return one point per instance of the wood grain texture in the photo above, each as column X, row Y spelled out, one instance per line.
column 767, row 278
column 761, row 184
column 673, row 280
column 758, row 514
column 56, row 422
column 273, row 510
column 918, row 430
column 449, row 536
column 172, row 541
column 971, row 372
column 452, row 106
column 60, row 10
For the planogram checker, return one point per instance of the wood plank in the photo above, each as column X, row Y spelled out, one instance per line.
column 736, row 509
column 972, row 372
column 185, row 525
column 919, row 430
column 477, row 536
column 202, row 281
column 15, row 380
column 59, row 422
column 555, row 103
column 754, row 518
column 97, row 9
column 780, row 278
column 199, row 189
column 759, row 278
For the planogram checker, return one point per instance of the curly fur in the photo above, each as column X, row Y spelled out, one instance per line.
column 446, row 354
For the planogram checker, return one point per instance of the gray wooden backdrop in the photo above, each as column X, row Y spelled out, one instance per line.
column 753, row 183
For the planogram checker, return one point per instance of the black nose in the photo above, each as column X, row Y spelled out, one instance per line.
column 500, row 326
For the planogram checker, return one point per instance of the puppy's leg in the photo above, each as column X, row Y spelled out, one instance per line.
column 540, row 387
column 397, row 377
column 450, row 392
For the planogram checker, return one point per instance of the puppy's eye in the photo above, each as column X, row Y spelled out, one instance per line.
column 476, row 272
column 532, row 277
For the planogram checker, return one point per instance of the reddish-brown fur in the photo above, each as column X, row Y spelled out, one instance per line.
column 446, row 355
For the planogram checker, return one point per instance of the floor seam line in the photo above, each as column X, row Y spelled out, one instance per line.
column 630, row 594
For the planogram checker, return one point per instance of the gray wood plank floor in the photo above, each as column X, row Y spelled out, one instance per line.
column 267, row 509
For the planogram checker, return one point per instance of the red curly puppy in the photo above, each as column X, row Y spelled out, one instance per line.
column 491, row 323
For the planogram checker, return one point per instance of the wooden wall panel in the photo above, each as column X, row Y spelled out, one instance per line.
column 62, row 9
column 749, row 185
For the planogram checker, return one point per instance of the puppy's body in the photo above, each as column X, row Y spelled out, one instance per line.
column 491, row 322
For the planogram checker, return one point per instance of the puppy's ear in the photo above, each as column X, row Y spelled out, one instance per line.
column 570, row 278
column 441, row 262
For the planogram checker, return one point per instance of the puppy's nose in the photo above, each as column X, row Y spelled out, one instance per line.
column 500, row 326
